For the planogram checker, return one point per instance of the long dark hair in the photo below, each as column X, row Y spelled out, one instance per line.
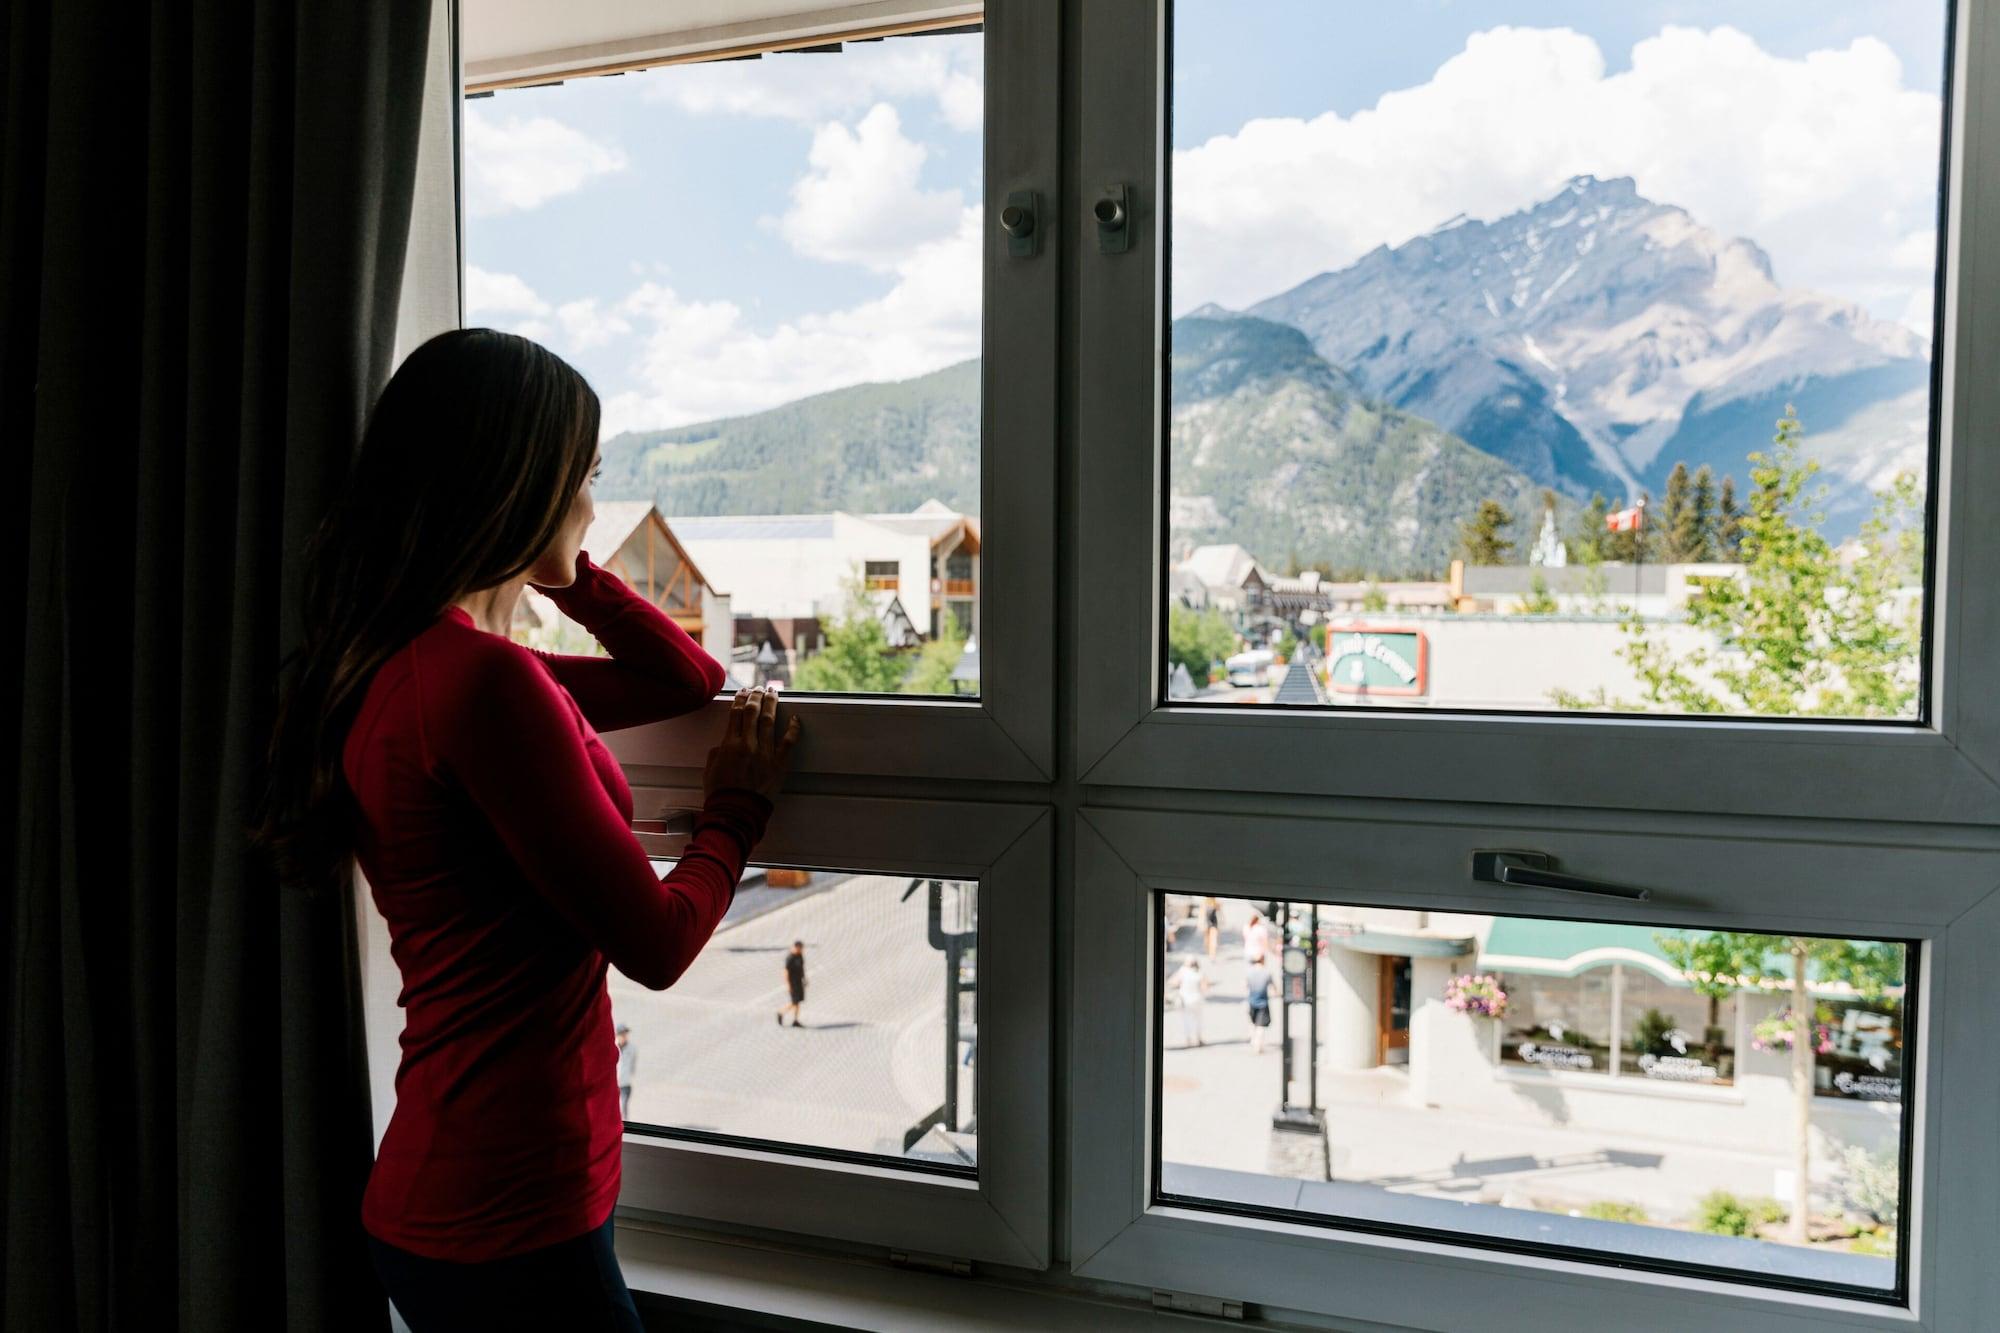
column 466, row 471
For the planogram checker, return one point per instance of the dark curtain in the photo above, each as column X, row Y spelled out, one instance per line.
column 203, row 212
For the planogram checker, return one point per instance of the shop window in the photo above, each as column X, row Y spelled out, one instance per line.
column 831, row 1015
column 1580, row 1087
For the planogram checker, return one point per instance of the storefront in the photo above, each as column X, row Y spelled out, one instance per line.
column 1560, row 1022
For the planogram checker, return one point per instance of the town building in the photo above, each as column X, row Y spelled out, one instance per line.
column 631, row 539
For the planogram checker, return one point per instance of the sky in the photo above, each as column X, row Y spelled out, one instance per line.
column 704, row 241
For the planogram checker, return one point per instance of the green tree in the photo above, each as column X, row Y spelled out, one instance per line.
column 1720, row 962
column 1539, row 601
column 1198, row 640
column 1676, row 510
column 1482, row 537
column 936, row 661
column 1586, row 546
column 1728, row 522
column 1802, row 630
column 1373, row 599
column 1687, row 518
column 856, row 658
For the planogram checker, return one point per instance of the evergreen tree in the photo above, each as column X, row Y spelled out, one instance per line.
column 1695, row 542
column 1728, row 523
column 1586, row 545
column 1482, row 539
column 1675, row 511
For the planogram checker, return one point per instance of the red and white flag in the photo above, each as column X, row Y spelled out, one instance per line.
column 1626, row 520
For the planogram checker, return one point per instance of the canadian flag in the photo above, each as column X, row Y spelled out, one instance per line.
column 1626, row 520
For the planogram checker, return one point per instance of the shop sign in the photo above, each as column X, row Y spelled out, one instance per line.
column 1869, row 1087
column 1555, row 1057
column 1368, row 660
column 1678, row 1068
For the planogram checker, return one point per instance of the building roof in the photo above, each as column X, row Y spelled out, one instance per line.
column 1227, row 566
column 614, row 525
column 757, row 527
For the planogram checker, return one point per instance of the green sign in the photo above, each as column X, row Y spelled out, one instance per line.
column 1377, row 661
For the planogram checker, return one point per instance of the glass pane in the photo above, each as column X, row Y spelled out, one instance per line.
column 1537, row 356
column 1612, row 1091
column 769, row 269
column 832, row 1013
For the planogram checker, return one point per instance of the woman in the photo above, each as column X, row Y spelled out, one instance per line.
column 464, row 775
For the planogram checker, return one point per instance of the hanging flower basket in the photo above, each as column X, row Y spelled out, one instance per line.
column 1476, row 993
column 1776, row 1033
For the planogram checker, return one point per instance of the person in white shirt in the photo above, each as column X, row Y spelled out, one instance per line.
column 1192, row 988
column 1257, row 937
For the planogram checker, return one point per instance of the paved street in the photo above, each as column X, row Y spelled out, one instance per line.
column 1218, row 1099
column 867, row 1066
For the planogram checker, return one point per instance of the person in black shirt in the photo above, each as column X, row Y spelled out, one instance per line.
column 795, row 982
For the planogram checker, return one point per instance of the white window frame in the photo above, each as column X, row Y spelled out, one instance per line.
column 1943, row 771
column 1005, row 741
column 1944, row 896
column 1008, row 733
column 1002, row 1215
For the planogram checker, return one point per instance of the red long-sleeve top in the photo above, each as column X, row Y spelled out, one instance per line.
column 495, row 832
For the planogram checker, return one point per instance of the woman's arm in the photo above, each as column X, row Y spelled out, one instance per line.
column 510, row 739
column 655, row 670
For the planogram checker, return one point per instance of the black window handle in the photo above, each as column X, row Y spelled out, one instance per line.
column 1536, row 870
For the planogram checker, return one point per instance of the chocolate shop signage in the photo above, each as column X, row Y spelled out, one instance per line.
column 1365, row 660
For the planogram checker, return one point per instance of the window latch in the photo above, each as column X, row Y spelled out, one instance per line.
column 1114, row 220
column 1537, row 870
column 1020, row 220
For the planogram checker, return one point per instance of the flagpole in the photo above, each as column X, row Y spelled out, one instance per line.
column 1639, row 553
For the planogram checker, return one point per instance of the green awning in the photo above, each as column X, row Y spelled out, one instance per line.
column 1565, row 948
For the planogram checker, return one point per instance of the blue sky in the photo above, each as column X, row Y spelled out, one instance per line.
column 709, row 240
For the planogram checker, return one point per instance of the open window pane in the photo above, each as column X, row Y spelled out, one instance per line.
column 832, row 1014
column 1601, row 1090
column 769, row 268
column 1534, row 356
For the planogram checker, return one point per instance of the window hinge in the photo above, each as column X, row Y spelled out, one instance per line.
column 931, row 1263
column 1181, row 1302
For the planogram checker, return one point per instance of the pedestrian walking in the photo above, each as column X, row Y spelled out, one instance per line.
column 1192, row 986
column 1211, row 925
column 1257, row 982
column 795, row 983
column 628, row 1065
column 1256, row 937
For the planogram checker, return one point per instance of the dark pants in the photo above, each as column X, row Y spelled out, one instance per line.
column 574, row 1284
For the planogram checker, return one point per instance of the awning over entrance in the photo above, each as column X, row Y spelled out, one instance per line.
column 1410, row 946
column 1565, row 948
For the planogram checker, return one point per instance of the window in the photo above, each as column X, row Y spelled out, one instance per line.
column 1547, row 366
column 770, row 270
column 831, row 1013
column 1559, row 1088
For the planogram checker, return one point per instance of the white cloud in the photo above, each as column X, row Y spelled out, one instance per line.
column 500, row 294
column 812, row 87
column 1825, row 160
column 702, row 359
column 514, row 163
column 861, row 203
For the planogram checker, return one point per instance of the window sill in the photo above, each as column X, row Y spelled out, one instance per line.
column 764, row 1282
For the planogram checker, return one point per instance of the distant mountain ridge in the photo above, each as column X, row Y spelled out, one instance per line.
column 1597, row 338
column 1585, row 344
